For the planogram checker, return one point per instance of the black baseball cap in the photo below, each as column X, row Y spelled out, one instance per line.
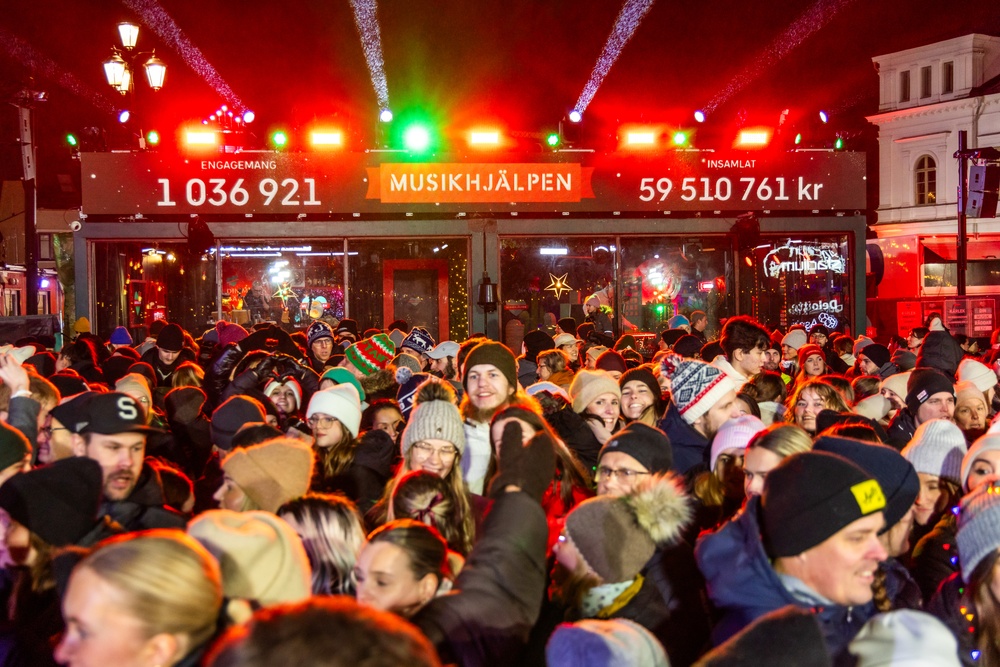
column 115, row 412
column 73, row 413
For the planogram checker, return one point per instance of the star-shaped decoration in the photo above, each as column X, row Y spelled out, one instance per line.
column 558, row 285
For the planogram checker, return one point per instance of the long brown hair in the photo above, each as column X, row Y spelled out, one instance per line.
column 987, row 611
column 336, row 459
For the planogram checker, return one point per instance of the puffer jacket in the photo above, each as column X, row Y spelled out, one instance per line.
column 690, row 448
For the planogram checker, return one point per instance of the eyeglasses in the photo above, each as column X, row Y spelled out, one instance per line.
column 424, row 450
column 322, row 422
column 625, row 474
column 47, row 430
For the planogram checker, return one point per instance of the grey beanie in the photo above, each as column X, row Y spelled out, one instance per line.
column 434, row 417
column 989, row 442
column 978, row 527
column 937, row 448
column 905, row 637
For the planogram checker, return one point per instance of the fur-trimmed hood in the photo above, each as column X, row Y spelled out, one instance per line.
column 380, row 384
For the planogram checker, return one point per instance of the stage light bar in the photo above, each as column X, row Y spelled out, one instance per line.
column 326, row 138
column 640, row 138
column 753, row 138
column 484, row 138
column 201, row 138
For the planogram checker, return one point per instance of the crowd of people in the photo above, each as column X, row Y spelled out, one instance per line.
column 378, row 498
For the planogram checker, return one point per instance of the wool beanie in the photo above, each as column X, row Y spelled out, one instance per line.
column 492, row 354
column 68, row 384
column 397, row 336
column 687, row 346
column 371, row 354
column 535, row 342
column 171, row 338
column 434, row 417
column 14, row 446
column 644, row 375
column 801, row 642
column 893, row 472
column 588, row 385
column 896, row 383
column 616, row 536
column 696, row 386
column 734, row 434
column 233, row 413
column 419, row 340
column 989, row 442
column 564, row 339
column 647, row 445
column 679, row 322
column 877, row 354
column 58, row 502
column 807, row 351
column 905, row 638
column 795, row 339
column 671, row 336
column 347, row 326
column 615, row 642
column 229, row 332
column 273, row 472
column 811, row 496
column 611, row 360
column 341, row 375
column 568, row 325
column 861, row 343
column 874, row 407
column 966, row 392
column 184, row 404
column 317, row 331
column 135, row 385
column 924, row 383
column 406, row 360
column 625, row 342
column 45, row 363
column 937, row 448
column 261, row 558
column 408, row 382
column 340, row 401
column 82, row 325
column 978, row 373
column 978, row 527
column 904, row 360
column 289, row 382
column 595, row 351
column 143, row 369
column 120, row 336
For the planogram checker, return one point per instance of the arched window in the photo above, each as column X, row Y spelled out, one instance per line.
column 926, row 180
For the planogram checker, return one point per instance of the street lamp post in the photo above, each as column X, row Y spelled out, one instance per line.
column 120, row 69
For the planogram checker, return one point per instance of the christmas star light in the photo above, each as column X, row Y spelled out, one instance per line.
column 558, row 285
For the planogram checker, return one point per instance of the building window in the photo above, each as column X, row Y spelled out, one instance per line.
column 926, row 180
column 948, row 77
column 925, row 82
column 904, row 86
column 46, row 251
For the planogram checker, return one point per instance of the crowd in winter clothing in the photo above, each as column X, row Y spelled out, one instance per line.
column 333, row 496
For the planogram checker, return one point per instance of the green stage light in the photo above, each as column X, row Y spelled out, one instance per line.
column 680, row 138
column 552, row 140
column 153, row 137
column 72, row 141
column 279, row 139
column 416, row 138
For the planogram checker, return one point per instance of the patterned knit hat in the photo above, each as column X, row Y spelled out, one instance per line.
column 371, row 354
column 978, row 527
column 695, row 385
column 419, row 340
column 434, row 417
column 937, row 448
column 318, row 330
column 492, row 354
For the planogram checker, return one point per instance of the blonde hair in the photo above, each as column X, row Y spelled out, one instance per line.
column 832, row 399
column 782, row 440
column 188, row 374
column 170, row 583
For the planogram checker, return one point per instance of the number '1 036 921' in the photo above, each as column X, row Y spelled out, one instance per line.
column 220, row 192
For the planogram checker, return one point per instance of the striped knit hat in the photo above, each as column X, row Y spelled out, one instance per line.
column 695, row 385
column 371, row 354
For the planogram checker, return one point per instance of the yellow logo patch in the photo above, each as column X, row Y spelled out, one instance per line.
column 869, row 496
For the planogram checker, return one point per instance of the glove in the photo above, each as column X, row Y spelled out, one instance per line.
column 531, row 466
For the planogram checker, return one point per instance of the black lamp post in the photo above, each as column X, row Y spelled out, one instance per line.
column 120, row 69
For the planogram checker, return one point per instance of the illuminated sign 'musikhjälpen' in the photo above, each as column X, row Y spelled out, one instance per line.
column 116, row 184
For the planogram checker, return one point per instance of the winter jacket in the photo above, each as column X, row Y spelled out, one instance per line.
column 900, row 588
column 144, row 508
column 573, row 430
column 365, row 479
column 901, row 429
column 478, row 452
column 498, row 595
column 690, row 448
column 217, row 374
column 22, row 414
column 743, row 585
column 939, row 350
column 527, row 372
column 953, row 605
column 935, row 556
column 380, row 384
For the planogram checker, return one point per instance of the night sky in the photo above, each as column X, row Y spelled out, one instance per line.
column 519, row 63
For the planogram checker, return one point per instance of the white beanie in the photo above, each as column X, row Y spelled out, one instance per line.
column 289, row 382
column 937, row 448
column 734, row 434
column 905, row 638
column 989, row 442
column 795, row 339
column 874, row 407
column 896, row 383
column 861, row 343
column 977, row 373
column 341, row 401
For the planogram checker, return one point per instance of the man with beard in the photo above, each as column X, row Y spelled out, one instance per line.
column 114, row 435
column 772, row 358
column 443, row 364
column 490, row 382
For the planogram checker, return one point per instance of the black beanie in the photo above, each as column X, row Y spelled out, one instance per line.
column 535, row 342
column 230, row 416
column 894, row 473
column 924, row 383
column 877, row 354
column 801, row 642
column 145, row 370
column 611, row 361
column 171, row 338
column 58, row 502
column 493, row 354
column 688, row 346
column 671, row 336
column 811, row 496
column 13, row 446
column 68, row 384
column 644, row 375
column 568, row 325
column 184, row 404
column 647, row 445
